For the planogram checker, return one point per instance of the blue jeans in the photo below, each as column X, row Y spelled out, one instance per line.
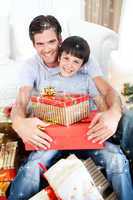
column 126, row 131
column 28, row 180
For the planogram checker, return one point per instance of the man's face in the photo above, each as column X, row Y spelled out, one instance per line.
column 69, row 64
column 47, row 45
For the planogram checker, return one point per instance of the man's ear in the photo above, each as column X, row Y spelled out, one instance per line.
column 60, row 40
column 58, row 58
column 33, row 43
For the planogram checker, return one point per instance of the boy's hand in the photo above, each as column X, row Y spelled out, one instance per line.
column 29, row 131
column 103, row 126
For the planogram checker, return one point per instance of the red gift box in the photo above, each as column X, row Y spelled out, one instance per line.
column 64, row 109
column 72, row 137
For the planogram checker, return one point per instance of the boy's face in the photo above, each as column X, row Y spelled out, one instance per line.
column 47, row 45
column 69, row 64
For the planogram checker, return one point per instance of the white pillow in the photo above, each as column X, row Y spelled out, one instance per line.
column 8, row 83
column 102, row 40
column 4, row 40
column 21, row 44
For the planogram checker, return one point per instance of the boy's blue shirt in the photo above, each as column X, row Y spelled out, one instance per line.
column 78, row 83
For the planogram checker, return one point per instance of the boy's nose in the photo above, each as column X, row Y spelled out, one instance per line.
column 69, row 64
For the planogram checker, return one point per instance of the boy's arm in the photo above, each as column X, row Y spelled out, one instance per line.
column 104, row 125
column 27, row 128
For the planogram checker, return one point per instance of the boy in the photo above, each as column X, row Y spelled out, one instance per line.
column 73, row 54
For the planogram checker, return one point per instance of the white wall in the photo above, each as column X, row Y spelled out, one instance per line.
column 14, row 40
column 63, row 8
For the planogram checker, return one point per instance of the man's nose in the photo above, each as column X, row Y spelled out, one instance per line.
column 46, row 49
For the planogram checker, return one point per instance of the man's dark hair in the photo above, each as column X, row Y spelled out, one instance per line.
column 41, row 23
column 76, row 46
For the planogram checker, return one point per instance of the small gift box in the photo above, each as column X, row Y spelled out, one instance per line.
column 72, row 137
column 8, row 155
column 70, row 179
column 64, row 109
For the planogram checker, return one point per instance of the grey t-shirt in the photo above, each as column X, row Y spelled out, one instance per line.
column 35, row 73
column 78, row 83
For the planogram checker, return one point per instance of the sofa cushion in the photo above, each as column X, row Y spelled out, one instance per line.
column 20, row 43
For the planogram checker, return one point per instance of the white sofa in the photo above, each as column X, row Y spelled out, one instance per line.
column 15, row 47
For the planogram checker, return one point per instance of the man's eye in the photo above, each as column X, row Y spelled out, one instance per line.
column 39, row 44
column 52, row 41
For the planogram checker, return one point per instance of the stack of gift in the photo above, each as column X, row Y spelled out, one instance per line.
column 70, row 179
column 7, row 164
column 62, row 108
column 69, row 115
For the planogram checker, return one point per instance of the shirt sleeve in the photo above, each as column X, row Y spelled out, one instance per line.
column 92, row 68
column 92, row 88
column 26, row 76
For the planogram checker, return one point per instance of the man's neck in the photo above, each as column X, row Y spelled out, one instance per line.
column 52, row 65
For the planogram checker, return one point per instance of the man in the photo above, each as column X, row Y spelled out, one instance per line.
column 45, row 33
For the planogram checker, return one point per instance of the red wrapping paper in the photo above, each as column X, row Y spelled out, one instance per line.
column 51, row 193
column 3, row 198
column 61, row 100
column 72, row 137
column 7, row 174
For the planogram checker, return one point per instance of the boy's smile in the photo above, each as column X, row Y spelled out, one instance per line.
column 69, row 64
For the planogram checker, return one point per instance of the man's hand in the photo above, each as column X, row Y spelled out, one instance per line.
column 28, row 130
column 103, row 126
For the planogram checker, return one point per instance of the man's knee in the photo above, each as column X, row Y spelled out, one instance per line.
column 128, row 116
column 115, row 160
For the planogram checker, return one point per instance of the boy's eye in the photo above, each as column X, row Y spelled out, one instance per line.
column 65, row 58
column 76, row 61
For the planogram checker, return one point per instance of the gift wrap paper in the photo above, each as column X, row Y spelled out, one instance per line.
column 63, row 109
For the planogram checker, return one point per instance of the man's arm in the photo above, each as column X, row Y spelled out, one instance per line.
column 111, row 97
column 27, row 128
column 104, row 124
column 100, row 103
